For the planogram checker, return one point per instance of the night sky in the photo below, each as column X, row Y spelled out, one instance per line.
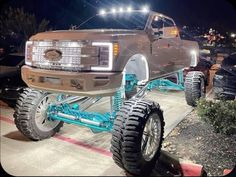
column 219, row 14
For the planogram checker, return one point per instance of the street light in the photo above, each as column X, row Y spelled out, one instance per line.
column 233, row 35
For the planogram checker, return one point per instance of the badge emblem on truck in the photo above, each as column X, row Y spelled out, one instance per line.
column 53, row 54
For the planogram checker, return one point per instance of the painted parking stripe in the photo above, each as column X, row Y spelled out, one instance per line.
column 71, row 141
column 8, row 120
column 84, row 145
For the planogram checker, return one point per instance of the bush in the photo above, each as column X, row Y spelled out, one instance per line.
column 220, row 114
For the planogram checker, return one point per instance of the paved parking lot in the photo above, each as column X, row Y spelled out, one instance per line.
column 74, row 150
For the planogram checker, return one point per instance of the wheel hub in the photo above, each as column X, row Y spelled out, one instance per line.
column 41, row 118
column 151, row 137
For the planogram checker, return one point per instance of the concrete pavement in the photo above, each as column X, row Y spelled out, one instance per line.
column 74, row 150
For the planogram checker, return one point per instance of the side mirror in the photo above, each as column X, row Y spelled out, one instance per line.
column 157, row 35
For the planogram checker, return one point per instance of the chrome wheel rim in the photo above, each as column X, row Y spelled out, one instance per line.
column 41, row 118
column 151, row 137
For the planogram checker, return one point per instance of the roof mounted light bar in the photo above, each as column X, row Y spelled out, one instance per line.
column 144, row 9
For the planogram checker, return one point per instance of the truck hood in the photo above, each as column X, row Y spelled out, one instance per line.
column 101, row 34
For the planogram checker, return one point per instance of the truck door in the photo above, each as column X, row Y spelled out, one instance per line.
column 160, row 49
column 175, row 56
column 166, row 48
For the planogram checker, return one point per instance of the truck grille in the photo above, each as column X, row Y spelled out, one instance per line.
column 70, row 58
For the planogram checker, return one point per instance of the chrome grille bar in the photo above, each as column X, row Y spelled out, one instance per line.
column 71, row 54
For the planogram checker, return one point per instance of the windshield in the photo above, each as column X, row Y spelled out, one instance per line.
column 132, row 21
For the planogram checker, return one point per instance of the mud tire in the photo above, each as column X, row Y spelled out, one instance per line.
column 25, row 119
column 127, row 136
column 195, row 87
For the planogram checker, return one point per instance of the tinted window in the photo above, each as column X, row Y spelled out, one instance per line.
column 157, row 23
column 168, row 23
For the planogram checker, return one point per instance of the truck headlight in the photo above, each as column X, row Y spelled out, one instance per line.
column 105, row 58
column 28, row 52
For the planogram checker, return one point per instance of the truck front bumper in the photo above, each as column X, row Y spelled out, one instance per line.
column 74, row 83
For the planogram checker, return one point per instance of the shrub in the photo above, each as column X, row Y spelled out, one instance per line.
column 220, row 114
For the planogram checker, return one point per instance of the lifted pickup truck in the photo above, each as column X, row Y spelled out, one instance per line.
column 122, row 52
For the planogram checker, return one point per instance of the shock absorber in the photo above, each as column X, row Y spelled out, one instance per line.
column 117, row 100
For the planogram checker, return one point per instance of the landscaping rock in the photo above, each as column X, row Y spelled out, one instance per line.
column 197, row 142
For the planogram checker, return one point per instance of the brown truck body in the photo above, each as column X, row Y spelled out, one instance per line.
column 71, row 61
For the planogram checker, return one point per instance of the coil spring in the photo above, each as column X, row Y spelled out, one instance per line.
column 117, row 100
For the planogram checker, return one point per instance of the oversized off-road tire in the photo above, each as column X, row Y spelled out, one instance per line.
column 19, row 104
column 137, row 136
column 30, row 115
column 195, row 87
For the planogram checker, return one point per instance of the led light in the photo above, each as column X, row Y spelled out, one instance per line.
column 116, row 49
column 129, row 9
column 193, row 52
column 113, row 10
column 147, row 68
column 145, row 9
column 102, row 12
column 28, row 52
column 194, row 58
column 110, row 48
column 121, row 9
